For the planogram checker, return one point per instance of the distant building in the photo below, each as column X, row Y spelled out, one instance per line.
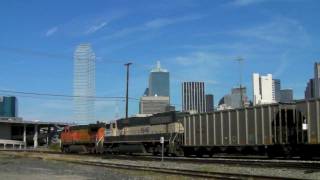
column 262, row 89
column 316, row 80
column 84, row 84
column 146, row 92
column 154, row 104
column 309, row 92
column 276, row 87
column 233, row 100
column 193, row 97
column 156, row 98
column 286, row 95
column 209, row 103
column 159, row 82
column 8, row 106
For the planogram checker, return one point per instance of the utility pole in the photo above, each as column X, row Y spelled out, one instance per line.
column 127, row 88
column 240, row 61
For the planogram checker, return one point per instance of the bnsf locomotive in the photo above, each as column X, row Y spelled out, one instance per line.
column 142, row 134
column 87, row 138
column 275, row 129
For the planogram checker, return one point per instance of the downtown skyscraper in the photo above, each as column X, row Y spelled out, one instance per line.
column 263, row 87
column 193, row 97
column 84, row 84
column 156, row 98
column 159, row 82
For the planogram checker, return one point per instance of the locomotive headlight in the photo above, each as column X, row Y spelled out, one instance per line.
column 304, row 126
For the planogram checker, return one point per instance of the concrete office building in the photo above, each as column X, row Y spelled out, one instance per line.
column 209, row 103
column 84, row 84
column 193, row 97
column 233, row 100
column 159, row 82
column 262, row 89
column 154, row 104
column 286, row 95
column 276, row 87
column 309, row 92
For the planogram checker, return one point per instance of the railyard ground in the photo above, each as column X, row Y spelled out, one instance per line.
column 34, row 166
column 14, row 167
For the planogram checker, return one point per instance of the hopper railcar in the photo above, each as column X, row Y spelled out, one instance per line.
column 275, row 130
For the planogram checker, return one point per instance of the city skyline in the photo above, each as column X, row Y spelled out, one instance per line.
column 38, row 57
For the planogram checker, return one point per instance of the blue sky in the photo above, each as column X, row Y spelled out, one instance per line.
column 194, row 40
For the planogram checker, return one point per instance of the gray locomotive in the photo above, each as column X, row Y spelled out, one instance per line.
column 291, row 129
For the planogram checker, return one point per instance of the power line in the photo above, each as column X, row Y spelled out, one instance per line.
column 65, row 96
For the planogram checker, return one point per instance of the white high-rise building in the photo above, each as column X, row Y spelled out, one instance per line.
column 84, row 84
column 262, row 89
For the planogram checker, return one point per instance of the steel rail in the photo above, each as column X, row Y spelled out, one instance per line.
column 162, row 169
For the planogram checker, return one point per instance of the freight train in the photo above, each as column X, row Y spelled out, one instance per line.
column 291, row 129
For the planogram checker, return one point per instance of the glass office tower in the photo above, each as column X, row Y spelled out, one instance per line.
column 159, row 84
column 84, row 84
column 8, row 106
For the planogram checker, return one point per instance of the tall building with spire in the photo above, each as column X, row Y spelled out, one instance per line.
column 84, row 84
column 159, row 82
column 156, row 98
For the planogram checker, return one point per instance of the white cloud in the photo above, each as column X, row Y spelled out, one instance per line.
column 162, row 22
column 199, row 58
column 198, row 66
column 154, row 24
column 51, row 31
column 245, row 2
column 96, row 27
column 279, row 31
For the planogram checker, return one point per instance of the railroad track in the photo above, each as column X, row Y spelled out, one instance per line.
column 183, row 172
column 248, row 161
column 159, row 169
